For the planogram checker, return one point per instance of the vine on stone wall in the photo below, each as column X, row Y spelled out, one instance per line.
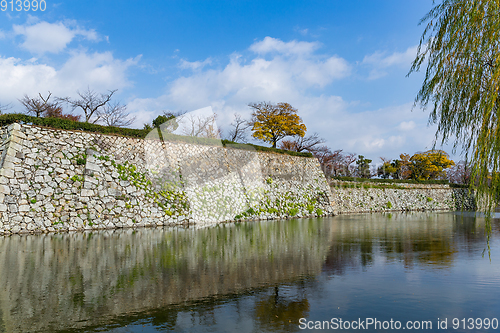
column 168, row 195
column 304, row 201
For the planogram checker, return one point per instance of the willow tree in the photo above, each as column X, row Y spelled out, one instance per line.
column 461, row 48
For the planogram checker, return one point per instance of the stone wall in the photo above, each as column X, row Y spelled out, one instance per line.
column 351, row 197
column 56, row 180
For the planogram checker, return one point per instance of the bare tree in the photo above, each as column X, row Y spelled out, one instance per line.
column 38, row 106
column 347, row 168
column 200, row 126
column 460, row 173
column 238, row 131
column 115, row 114
column 324, row 156
column 91, row 103
column 308, row 143
column 5, row 107
column 331, row 162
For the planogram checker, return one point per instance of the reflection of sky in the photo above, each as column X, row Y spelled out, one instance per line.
column 465, row 287
column 468, row 288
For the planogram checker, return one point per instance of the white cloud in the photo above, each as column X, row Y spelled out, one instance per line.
column 100, row 71
column 270, row 45
column 293, row 72
column 195, row 65
column 397, row 58
column 19, row 78
column 286, row 75
column 279, row 78
column 303, row 32
column 379, row 61
column 43, row 37
column 407, row 125
column 374, row 133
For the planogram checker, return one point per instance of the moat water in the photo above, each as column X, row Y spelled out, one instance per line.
column 416, row 269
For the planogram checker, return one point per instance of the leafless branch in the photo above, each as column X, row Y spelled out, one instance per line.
column 38, row 105
column 238, row 130
column 5, row 107
column 115, row 114
column 308, row 143
column 90, row 102
column 199, row 126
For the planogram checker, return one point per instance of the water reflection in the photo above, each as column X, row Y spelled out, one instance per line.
column 413, row 238
column 256, row 276
column 74, row 280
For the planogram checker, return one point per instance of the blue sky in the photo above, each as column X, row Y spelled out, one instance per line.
column 342, row 64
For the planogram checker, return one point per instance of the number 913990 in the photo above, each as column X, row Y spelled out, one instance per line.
column 20, row 5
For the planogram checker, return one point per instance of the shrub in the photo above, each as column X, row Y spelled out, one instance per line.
column 67, row 124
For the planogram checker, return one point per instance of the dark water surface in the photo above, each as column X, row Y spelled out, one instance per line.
column 257, row 277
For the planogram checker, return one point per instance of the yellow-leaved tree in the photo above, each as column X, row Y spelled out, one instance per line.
column 272, row 122
column 430, row 164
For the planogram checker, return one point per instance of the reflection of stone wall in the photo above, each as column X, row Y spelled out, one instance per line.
column 55, row 180
column 414, row 197
column 413, row 238
column 81, row 279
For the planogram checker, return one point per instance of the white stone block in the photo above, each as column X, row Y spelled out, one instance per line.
column 15, row 146
column 87, row 193
column 16, row 139
column 14, row 127
column 49, row 208
column 20, row 134
column 47, row 191
column 8, row 165
column 11, row 159
column 92, row 167
column 4, row 189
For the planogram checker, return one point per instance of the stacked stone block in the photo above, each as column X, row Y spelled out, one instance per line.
column 415, row 197
column 56, row 180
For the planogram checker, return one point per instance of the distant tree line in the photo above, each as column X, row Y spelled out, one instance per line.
column 275, row 122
